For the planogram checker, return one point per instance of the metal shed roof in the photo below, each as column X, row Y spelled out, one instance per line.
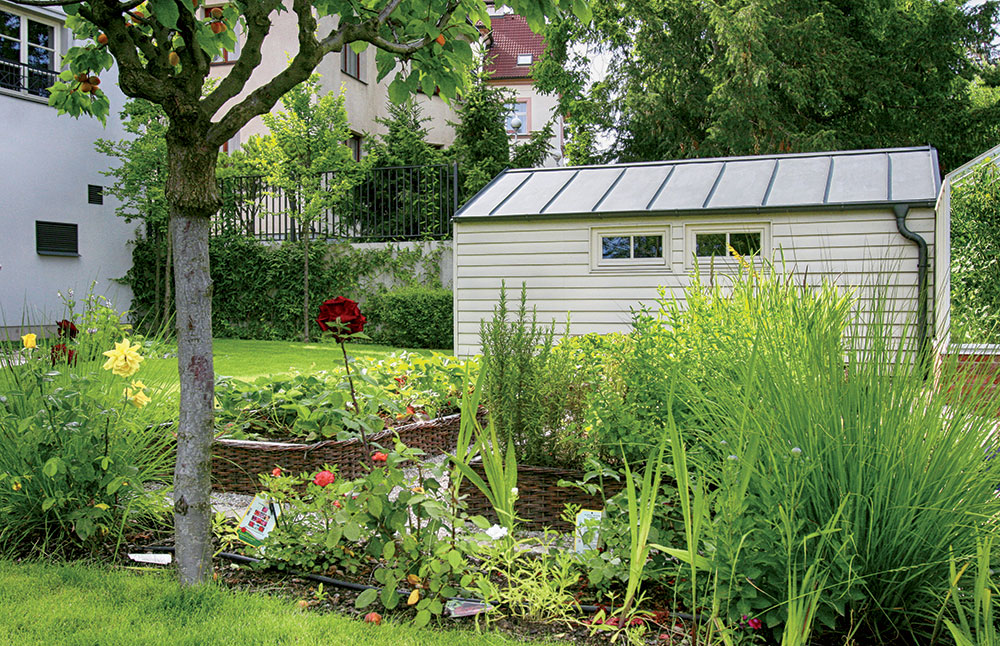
column 842, row 179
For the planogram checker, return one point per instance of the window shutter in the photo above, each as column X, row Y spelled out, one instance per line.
column 56, row 239
column 95, row 194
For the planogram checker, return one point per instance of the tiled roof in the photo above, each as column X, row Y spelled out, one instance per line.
column 840, row 179
column 512, row 36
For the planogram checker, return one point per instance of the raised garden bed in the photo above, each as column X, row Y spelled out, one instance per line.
column 540, row 499
column 237, row 463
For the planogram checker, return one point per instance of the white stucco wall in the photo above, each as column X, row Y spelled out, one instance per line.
column 46, row 163
column 554, row 256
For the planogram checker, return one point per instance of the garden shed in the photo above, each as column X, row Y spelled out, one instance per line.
column 592, row 243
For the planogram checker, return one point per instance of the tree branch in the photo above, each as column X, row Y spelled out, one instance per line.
column 265, row 97
column 258, row 27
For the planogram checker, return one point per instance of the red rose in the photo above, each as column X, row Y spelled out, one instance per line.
column 60, row 352
column 343, row 311
column 324, row 478
column 379, row 457
column 276, row 472
column 336, row 503
column 65, row 327
column 755, row 624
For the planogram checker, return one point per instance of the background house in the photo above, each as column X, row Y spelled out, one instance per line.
column 512, row 48
column 597, row 241
column 59, row 231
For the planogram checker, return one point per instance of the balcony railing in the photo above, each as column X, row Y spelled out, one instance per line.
column 390, row 203
column 27, row 79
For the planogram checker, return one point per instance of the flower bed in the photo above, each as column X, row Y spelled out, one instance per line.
column 540, row 499
column 237, row 463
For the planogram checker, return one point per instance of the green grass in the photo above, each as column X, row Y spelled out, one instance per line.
column 249, row 360
column 75, row 604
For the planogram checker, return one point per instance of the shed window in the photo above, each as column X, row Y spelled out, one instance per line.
column 56, row 239
column 618, row 248
column 718, row 242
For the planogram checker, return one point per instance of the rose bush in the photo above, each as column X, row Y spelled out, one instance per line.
column 344, row 315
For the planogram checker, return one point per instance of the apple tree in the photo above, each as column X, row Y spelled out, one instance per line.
column 163, row 49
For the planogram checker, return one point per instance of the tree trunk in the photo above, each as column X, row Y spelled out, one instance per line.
column 168, row 281
column 305, row 280
column 193, row 198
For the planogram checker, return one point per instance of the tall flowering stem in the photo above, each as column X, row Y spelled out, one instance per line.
column 354, row 397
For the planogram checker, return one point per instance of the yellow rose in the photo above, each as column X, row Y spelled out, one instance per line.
column 137, row 396
column 29, row 340
column 124, row 360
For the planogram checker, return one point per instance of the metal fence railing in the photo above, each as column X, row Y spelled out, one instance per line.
column 29, row 79
column 389, row 203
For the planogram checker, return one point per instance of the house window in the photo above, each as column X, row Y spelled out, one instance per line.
column 355, row 144
column 629, row 247
column 524, row 59
column 518, row 109
column 350, row 62
column 28, row 54
column 717, row 243
column 56, row 239
column 226, row 56
column 95, row 194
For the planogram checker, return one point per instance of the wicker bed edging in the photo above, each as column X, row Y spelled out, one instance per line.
column 540, row 499
column 237, row 463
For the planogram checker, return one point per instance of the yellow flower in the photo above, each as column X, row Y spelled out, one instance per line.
column 136, row 394
column 29, row 340
column 124, row 360
column 17, row 485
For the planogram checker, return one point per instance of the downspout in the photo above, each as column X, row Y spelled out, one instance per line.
column 923, row 265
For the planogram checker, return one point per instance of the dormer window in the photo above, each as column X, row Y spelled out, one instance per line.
column 524, row 59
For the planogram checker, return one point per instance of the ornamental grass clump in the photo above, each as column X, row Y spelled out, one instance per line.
column 829, row 423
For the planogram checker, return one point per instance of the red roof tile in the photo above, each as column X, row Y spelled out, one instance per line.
column 512, row 36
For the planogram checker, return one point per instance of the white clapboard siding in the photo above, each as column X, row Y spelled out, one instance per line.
column 852, row 249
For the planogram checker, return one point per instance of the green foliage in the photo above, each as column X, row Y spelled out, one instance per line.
column 828, row 464
column 350, row 526
column 526, row 388
column 405, row 140
column 76, row 453
column 482, row 145
column 245, row 271
column 975, row 259
column 315, row 405
column 411, row 317
column 139, row 183
column 737, row 78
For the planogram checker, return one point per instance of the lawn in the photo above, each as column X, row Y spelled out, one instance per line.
column 75, row 604
column 248, row 360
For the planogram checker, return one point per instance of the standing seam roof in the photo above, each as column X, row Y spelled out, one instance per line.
column 827, row 179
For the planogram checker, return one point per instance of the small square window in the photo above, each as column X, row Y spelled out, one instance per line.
column 630, row 247
column 56, row 239
column 716, row 244
column 95, row 194
column 524, row 59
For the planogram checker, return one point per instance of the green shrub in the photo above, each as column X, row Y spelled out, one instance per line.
column 528, row 388
column 411, row 317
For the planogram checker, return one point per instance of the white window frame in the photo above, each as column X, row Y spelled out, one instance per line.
column 512, row 111
column 599, row 263
column 523, row 60
column 56, row 48
column 708, row 263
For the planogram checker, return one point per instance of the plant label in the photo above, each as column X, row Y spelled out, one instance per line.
column 464, row 607
column 587, row 523
column 258, row 521
column 158, row 559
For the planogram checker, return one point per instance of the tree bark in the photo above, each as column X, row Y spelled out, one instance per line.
column 168, row 281
column 193, row 198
